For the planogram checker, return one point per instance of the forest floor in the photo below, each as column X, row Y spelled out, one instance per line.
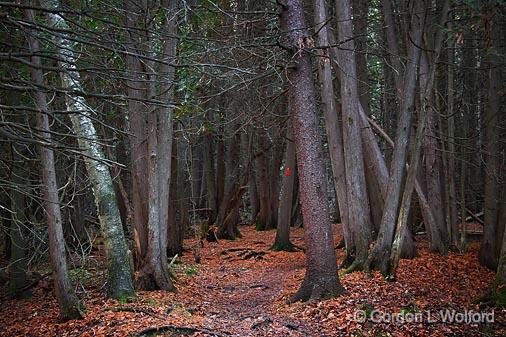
column 240, row 288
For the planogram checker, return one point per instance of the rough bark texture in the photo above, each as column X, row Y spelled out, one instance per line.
column 321, row 279
column 380, row 255
column 358, row 204
column 155, row 272
column 119, row 282
column 136, row 90
column 67, row 300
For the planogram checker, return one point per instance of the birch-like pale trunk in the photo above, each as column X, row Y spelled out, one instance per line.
column 64, row 291
column 119, row 281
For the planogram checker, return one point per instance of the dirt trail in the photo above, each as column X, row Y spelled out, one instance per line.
column 244, row 283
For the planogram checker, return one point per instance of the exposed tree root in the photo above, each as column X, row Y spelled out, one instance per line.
column 176, row 331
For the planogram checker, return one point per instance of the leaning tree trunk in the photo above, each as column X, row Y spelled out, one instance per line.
column 119, row 282
column 380, row 255
column 321, row 279
column 67, row 300
column 358, row 203
column 282, row 240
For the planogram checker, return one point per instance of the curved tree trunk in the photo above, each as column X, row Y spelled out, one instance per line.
column 321, row 279
column 119, row 283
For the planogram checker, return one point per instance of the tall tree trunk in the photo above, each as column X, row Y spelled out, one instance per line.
column 358, row 204
column 321, row 279
column 155, row 272
column 282, row 240
column 360, row 15
column 119, row 282
column 432, row 157
column 452, row 193
column 136, row 91
column 380, row 256
column 67, row 300
column 487, row 254
column 332, row 126
column 401, row 226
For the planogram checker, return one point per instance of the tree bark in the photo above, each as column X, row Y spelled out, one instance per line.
column 358, row 203
column 67, row 300
column 487, row 253
column 119, row 282
column 380, row 255
column 282, row 240
column 332, row 126
column 321, row 279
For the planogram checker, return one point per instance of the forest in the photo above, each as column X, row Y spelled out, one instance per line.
column 253, row 168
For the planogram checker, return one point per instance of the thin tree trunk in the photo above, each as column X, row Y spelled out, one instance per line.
column 282, row 240
column 321, row 279
column 119, row 282
column 18, row 260
column 487, row 253
column 67, row 300
column 452, row 193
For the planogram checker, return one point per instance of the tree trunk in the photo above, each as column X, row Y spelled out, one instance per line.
column 67, row 300
column 264, row 217
column 452, row 193
column 231, row 185
column 487, row 254
column 321, row 279
column 155, row 272
column 282, row 240
column 332, row 126
column 360, row 15
column 119, row 282
column 136, row 91
column 380, row 255
column 18, row 232
column 358, row 204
